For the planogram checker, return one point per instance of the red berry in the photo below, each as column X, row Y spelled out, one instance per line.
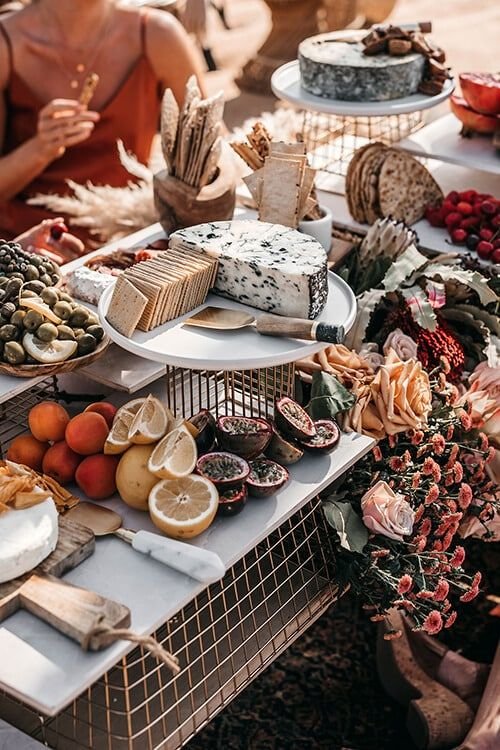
column 484, row 249
column 453, row 219
column 495, row 222
column 464, row 208
column 496, row 243
column 468, row 195
column 495, row 257
column 434, row 218
column 485, row 234
column 454, row 197
column 459, row 236
column 57, row 231
column 470, row 221
column 476, row 209
column 447, row 207
column 488, row 207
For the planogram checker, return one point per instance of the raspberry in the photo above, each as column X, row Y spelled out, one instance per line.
column 459, row 236
column 468, row 195
column 484, row 249
column 488, row 207
column 453, row 219
column 454, row 197
column 464, row 208
column 485, row 234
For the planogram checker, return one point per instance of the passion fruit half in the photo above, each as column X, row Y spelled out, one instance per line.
column 204, row 422
column 266, row 477
column 248, row 437
column 326, row 438
column 232, row 502
column 283, row 451
column 225, row 470
column 293, row 420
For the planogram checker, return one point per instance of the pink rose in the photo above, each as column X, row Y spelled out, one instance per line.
column 369, row 353
column 386, row 513
column 403, row 345
column 485, row 378
column 491, row 428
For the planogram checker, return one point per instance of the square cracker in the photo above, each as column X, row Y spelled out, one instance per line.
column 126, row 306
column 281, row 192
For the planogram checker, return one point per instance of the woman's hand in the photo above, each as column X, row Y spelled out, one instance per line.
column 63, row 123
column 52, row 239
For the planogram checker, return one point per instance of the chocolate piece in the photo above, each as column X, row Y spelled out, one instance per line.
column 374, row 48
column 430, row 88
column 399, row 47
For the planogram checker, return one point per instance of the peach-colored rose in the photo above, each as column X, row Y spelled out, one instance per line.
column 404, row 346
column 387, row 513
column 369, row 352
column 491, row 427
column 480, row 404
column 401, row 394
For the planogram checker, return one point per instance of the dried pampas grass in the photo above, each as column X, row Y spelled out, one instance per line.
column 106, row 212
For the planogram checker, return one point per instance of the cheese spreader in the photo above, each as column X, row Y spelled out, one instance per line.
column 200, row 564
column 224, row 319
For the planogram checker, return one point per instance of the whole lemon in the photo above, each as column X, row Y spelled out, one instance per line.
column 134, row 481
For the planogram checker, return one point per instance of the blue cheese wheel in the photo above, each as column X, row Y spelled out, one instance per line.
column 267, row 266
column 339, row 70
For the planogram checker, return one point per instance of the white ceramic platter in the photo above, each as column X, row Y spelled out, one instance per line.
column 245, row 349
column 285, row 83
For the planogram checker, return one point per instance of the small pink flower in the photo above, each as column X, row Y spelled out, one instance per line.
column 432, row 495
column 465, row 421
column 451, row 505
column 396, row 463
column 453, row 456
column 446, row 606
column 416, row 437
column 438, row 444
column 464, row 496
column 415, row 481
column 458, row 472
column 433, row 623
column 425, row 594
column 425, row 527
column 436, row 473
column 393, row 441
column 441, row 591
column 405, row 584
column 420, row 543
column 450, row 431
column 484, row 443
column 437, row 546
column 428, row 466
column 377, row 453
column 448, row 538
column 450, row 619
column 473, row 590
column 405, row 604
column 458, row 557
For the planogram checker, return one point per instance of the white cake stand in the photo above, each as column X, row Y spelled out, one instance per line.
column 244, row 349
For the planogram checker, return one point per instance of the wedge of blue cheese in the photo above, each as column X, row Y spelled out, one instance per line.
column 267, row 266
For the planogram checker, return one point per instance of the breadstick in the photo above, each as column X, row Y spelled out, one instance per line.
column 88, row 89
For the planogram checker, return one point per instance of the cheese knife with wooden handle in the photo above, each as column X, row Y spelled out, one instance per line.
column 223, row 319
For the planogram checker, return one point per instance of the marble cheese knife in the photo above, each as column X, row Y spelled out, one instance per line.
column 200, row 564
column 223, row 319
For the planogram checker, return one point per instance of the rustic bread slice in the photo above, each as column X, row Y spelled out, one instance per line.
column 406, row 187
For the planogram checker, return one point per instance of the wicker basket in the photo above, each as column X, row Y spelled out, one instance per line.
column 36, row 371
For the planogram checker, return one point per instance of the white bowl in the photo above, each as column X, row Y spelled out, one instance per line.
column 320, row 229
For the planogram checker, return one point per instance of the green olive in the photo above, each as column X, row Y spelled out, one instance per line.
column 79, row 317
column 17, row 275
column 49, row 296
column 13, row 288
column 92, row 320
column 78, row 332
column 32, row 320
column 86, row 344
column 35, row 286
column 36, row 260
column 8, row 309
column 8, row 332
column 14, row 353
column 47, row 332
column 45, row 279
column 96, row 331
column 64, row 297
column 28, row 293
column 65, row 333
column 63, row 310
column 31, row 273
column 17, row 318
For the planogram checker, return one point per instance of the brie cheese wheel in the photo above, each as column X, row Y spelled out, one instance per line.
column 27, row 537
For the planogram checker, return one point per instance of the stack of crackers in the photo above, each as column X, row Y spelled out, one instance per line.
column 190, row 137
column 155, row 291
column 383, row 181
column 282, row 183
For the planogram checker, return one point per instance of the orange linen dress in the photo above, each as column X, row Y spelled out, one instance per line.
column 131, row 114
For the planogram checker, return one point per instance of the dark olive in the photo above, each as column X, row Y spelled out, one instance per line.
column 31, row 273
column 9, row 332
column 8, row 309
column 36, row 286
column 86, row 344
column 14, row 353
column 96, row 331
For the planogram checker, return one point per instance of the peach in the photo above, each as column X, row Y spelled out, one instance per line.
column 86, row 433
column 104, row 408
column 27, row 450
column 61, row 463
column 96, row 476
column 47, row 421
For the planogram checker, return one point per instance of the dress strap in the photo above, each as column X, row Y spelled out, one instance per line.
column 144, row 21
column 10, row 53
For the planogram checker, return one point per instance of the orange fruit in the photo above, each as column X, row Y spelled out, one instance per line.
column 105, row 409
column 27, row 450
column 47, row 421
column 61, row 463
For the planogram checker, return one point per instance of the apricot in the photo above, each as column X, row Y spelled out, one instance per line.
column 96, row 476
column 47, row 421
column 104, row 408
column 86, row 433
column 27, row 450
column 61, row 463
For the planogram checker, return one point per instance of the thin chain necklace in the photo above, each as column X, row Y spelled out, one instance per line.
column 77, row 75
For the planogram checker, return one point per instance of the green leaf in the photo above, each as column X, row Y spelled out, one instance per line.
column 328, row 396
column 407, row 263
column 352, row 532
column 473, row 279
column 421, row 309
column 374, row 273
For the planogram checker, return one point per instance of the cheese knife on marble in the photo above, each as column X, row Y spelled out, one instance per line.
column 198, row 563
column 224, row 319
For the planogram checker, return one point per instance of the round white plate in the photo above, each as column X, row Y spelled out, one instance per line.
column 285, row 83
column 244, row 349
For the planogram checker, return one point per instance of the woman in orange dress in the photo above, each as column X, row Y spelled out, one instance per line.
column 47, row 50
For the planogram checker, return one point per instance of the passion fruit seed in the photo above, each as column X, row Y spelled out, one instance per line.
column 14, row 353
column 47, row 332
column 49, row 296
column 65, row 333
column 63, row 309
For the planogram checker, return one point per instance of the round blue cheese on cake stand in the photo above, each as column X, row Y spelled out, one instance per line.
column 335, row 69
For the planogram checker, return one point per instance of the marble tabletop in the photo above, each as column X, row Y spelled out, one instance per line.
column 12, row 739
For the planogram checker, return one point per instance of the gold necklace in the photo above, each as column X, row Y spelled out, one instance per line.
column 76, row 77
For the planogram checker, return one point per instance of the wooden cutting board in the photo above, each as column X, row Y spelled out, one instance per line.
column 71, row 610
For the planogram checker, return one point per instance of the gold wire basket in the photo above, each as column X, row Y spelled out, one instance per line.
column 228, row 634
